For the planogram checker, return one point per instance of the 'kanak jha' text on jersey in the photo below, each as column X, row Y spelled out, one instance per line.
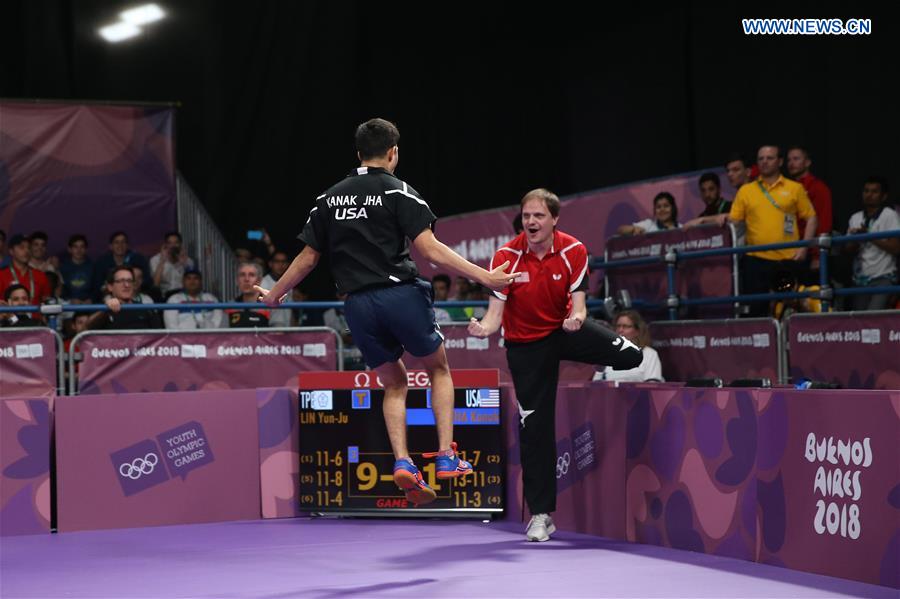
column 365, row 223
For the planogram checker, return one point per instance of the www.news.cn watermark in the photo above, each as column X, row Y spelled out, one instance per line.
column 807, row 26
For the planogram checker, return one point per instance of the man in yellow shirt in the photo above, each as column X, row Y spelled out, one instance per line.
column 770, row 207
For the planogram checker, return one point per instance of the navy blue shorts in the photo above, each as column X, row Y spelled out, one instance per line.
column 388, row 320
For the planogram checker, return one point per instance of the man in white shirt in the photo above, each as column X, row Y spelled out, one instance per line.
column 440, row 286
column 192, row 293
column 169, row 264
column 875, row 264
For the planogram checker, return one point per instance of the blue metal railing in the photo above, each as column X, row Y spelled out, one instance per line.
column 826, row 293
column 670, row 259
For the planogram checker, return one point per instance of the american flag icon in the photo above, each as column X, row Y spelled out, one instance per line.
column 489, row 398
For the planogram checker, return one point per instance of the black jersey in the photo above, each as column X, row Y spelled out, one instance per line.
column 364, row 223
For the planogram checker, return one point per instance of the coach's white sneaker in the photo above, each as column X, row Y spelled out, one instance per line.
column 540, row 527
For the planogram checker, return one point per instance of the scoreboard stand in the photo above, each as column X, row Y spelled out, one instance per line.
column 346, row 462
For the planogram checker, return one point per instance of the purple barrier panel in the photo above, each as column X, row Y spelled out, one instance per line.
column 829, row 483
column 150, row 459
column 187, row 361
column 84, row 160
column 25, row 466
column 857, row 350
column 465, row 351
column 514, row 507
column 728, row 349
column 576, row 373
column 690, row 468
column 704, row 277
column 28, row 366
column 592, row 217
column 279, row 452
column 590, row 472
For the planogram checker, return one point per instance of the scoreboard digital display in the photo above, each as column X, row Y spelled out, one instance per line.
column 346, row 462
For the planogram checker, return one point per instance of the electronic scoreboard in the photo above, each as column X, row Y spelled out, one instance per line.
column 346, row 462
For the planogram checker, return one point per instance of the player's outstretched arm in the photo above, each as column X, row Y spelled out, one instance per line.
column 302, row 265
column 438, row 253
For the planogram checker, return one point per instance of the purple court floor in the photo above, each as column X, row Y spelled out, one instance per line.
column 282, row 559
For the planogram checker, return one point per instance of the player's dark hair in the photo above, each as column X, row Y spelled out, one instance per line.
column 710, row 177
column 375, row 137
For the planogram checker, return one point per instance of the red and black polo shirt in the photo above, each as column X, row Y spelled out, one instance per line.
column 539, row 301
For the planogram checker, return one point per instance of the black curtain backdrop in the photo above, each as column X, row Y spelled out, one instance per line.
column 491, row 99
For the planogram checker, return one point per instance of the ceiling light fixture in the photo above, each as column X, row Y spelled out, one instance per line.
column 141, row 15
column 131, row 21
column 118, row 32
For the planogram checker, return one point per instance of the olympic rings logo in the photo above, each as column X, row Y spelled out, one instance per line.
column 139, row 466
column 562, row 464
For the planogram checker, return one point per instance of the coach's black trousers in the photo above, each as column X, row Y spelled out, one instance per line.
column 535, row 371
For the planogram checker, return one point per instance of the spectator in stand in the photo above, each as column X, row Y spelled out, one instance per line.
column 665, row 217
column 76, row 271
column 278, row 264
column 118, row 255
column 39, row 259
column 875, row 263
column 243, row 255
column 18, row 272
column 268, row 244
column 144, row 298
column 463, row 288
column 478, row 293
column 336, row 320
column 248, row 275
column 738, row 170
column 169, row 265
column 302, row 317
column 717, row 207
column 258, row 244
column 770, row 207
column 440, row 286
column 57, row 298
column 261, row 262
column 73, row 326
column 786, row 281
column 631, row 325
column 798, row 163
column 192, row 293
column 122, row 288
column 17, row 295
column 4, row 256
column 56, row 287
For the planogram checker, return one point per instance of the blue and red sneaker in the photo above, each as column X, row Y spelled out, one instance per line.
column 448, row 464
column 410, row 481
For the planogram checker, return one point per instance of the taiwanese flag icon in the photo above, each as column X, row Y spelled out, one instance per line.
column 361, row 399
